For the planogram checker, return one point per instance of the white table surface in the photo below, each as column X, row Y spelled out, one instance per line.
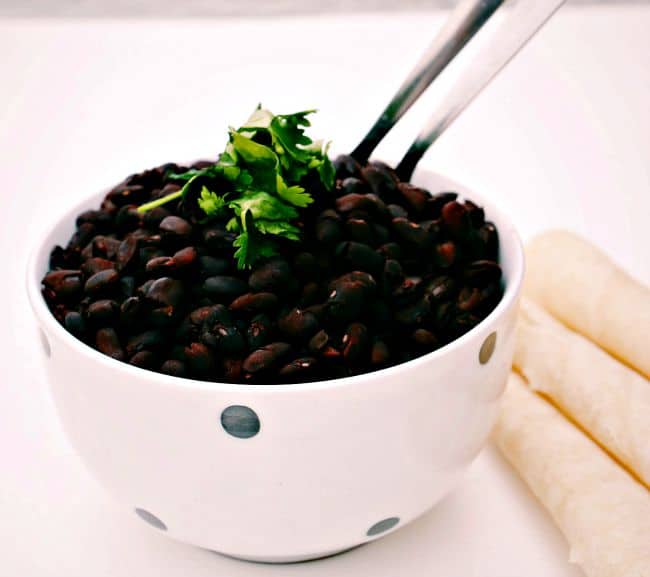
column 562, row 138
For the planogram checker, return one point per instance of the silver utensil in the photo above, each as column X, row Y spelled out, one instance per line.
column 520, row 22
column 466, row 19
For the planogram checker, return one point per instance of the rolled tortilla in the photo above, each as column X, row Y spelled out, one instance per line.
column 583, row 288
column 608, row 399
column 602, row 511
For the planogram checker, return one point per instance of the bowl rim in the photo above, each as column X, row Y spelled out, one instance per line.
column 52, row 326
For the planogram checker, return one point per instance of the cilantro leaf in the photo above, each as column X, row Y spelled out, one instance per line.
column 261, row 204
column 249, row 245
column 295, row 195
column 211, row 203
column 278, row 228
column 260, row 161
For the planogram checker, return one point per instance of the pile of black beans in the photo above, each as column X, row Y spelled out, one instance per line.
column 385, row 272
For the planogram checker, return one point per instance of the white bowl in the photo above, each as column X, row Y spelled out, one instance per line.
column 306, row 470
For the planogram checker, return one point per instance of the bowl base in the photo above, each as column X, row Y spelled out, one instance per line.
column 272, row 560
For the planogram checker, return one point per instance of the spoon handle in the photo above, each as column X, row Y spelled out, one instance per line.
column 466, row 19
column 516, row 23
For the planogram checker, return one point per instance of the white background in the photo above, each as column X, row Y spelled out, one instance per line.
column 562, row 138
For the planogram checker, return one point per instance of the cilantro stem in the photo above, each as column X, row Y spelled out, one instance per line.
column 160, row 201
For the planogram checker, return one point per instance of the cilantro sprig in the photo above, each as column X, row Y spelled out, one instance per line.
column 258, row 183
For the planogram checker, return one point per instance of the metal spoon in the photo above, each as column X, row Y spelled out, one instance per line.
column 521, row 20
column 466, row 19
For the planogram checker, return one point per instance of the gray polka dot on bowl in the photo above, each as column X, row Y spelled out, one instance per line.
column 240, row 421
column 151, row 519
column 487, row 348
column 382, row 526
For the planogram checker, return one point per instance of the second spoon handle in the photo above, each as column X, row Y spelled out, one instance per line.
column 466, row 19
column 521, row 19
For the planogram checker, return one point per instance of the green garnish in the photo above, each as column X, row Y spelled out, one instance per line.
column 259, row 181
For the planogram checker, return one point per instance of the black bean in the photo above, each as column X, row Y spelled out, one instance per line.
column 446, row 254
column 61, row 258
column 146, row 253
column 105, row 247
column 329, row 229
column 224, row 338
column 151, row 340
column 224, row 288
column 100, row 219
column 75, row 323
column 103, row 312
column 408, row 290
column 437, row 201
column 355, row 185
column 468, row 299
column 143, row 359
column 82, row 236
column 379, row 354
column 265, row 358
column 199, row 360
column 380, row 233
column 390, row 250
column 298, row 324
column 160, row 266
column 424, row 339
column 355, row 202
column 152, row 218
column 233, row 370
column 107, row 342
column 456, row 219
column 174, row 368
column 346, row 302
column 393, row 274
column 185, row 258
column 212, row 266
column 440, row 289
column 346, row 166
column 397, row 211
column 102, row 282
column 127, row 286
column 359, row 230
column 476, row 214
column 163, row 317
column 65, row 284
column 166, row 291
column 489, row 236
column 482, row 272
column 319, row 341
column 219, row 240
column 411, row 233
column 301, row 369
column 364, row 279
column 416, row 198
column 253, row 303
column 305, row 266
column 128, row 193
column 378, row 314
column 175, row 228
column 130, row 311
column 358, row 256
column 414, row 314
column 381, row 182
column 144, row 288
column 259, row 332
column 127, row 218
column 312, row 293
column 355, row 342
column 272, row 276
